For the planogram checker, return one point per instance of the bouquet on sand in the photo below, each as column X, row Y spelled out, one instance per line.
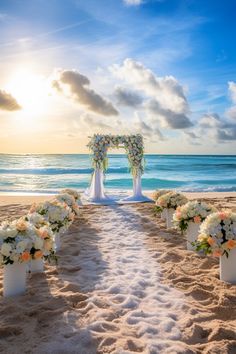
column 217, row 237
column 70, row 201
column 168, row 203
column 25, row 243
column 21, row 243
column 189, row 217
column 58, row 214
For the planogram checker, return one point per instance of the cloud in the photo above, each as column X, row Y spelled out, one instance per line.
column 208, row 121
column 191, row 135
column 232, row 90
column 169, row 118
column 166, row 90
column 8, row 102
column 163, row 97
column 231, row 113
column 133, row 2
column 127, row 97
column 226, row 134
column 222, row 130
column 81, row 92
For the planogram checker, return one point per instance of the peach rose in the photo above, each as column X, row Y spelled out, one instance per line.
column 211, row 241
column 231, row 244
column 197, row 219
column 178, row 214
column 42, row 233
column 217, row 253
column 21, row 225
column 25, row 256
column 38, row 254
column 223, row 215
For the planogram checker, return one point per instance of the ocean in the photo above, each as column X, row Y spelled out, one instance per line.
column 49, row 173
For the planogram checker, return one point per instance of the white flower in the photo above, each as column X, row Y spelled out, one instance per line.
column 6, row 249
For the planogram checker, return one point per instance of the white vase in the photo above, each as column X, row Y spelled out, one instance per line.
column 192, row 234
column 164, row 214
column 36, row 266
column 57, row 241
column 14, row 279
column 169, row 218
column 228, row 267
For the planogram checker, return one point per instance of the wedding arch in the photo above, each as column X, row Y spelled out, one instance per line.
column 99, row 145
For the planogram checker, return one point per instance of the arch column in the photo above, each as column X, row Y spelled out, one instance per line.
column 96, row 192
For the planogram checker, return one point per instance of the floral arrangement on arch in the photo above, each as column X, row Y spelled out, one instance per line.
column 193, row 211
column 133, row 144
column 170, row 200
column 217, row 234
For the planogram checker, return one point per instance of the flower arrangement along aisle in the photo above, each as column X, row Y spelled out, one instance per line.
column 133, row 144
column 218, row 238
column 58, row 215
column 189, row 216
column 170, row 201
column 71, row 192
column 46, row 243
column 70, row 200
column 157, row 209
column 20, row 242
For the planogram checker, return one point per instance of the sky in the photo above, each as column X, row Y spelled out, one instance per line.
column 162, row 68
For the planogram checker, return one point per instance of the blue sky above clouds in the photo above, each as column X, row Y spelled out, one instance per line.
column 165, row 68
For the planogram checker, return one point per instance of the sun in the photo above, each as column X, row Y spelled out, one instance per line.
column 30, row 90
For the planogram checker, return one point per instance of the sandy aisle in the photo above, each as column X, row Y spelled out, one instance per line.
column 123, row 285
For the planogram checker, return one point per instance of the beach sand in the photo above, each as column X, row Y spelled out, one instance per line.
column 123, row 284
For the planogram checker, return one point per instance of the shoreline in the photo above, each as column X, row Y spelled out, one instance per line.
column 29, row 198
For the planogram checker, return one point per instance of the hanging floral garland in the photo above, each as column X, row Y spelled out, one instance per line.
column 133, row 144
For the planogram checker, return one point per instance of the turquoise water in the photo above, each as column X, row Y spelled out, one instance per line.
column 48, row 173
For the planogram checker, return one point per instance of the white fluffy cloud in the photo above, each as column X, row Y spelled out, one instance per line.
column 8, row 102
column 163, row 97
column 166, row 90
column 81, row 92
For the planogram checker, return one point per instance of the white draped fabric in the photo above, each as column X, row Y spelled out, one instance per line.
column 137, row 192
column 96, row 192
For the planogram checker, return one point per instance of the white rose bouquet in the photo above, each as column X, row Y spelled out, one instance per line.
column 59, row 215
column 171, row 200
column 44, row 240
column 19, row 242
column 159, row 192
column 193, row 211
column 71, row 192
column 218, row 234
column 69, row 200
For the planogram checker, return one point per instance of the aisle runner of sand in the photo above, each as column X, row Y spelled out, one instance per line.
column 127, row 298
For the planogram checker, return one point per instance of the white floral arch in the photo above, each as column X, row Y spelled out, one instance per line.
column 99, row 145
